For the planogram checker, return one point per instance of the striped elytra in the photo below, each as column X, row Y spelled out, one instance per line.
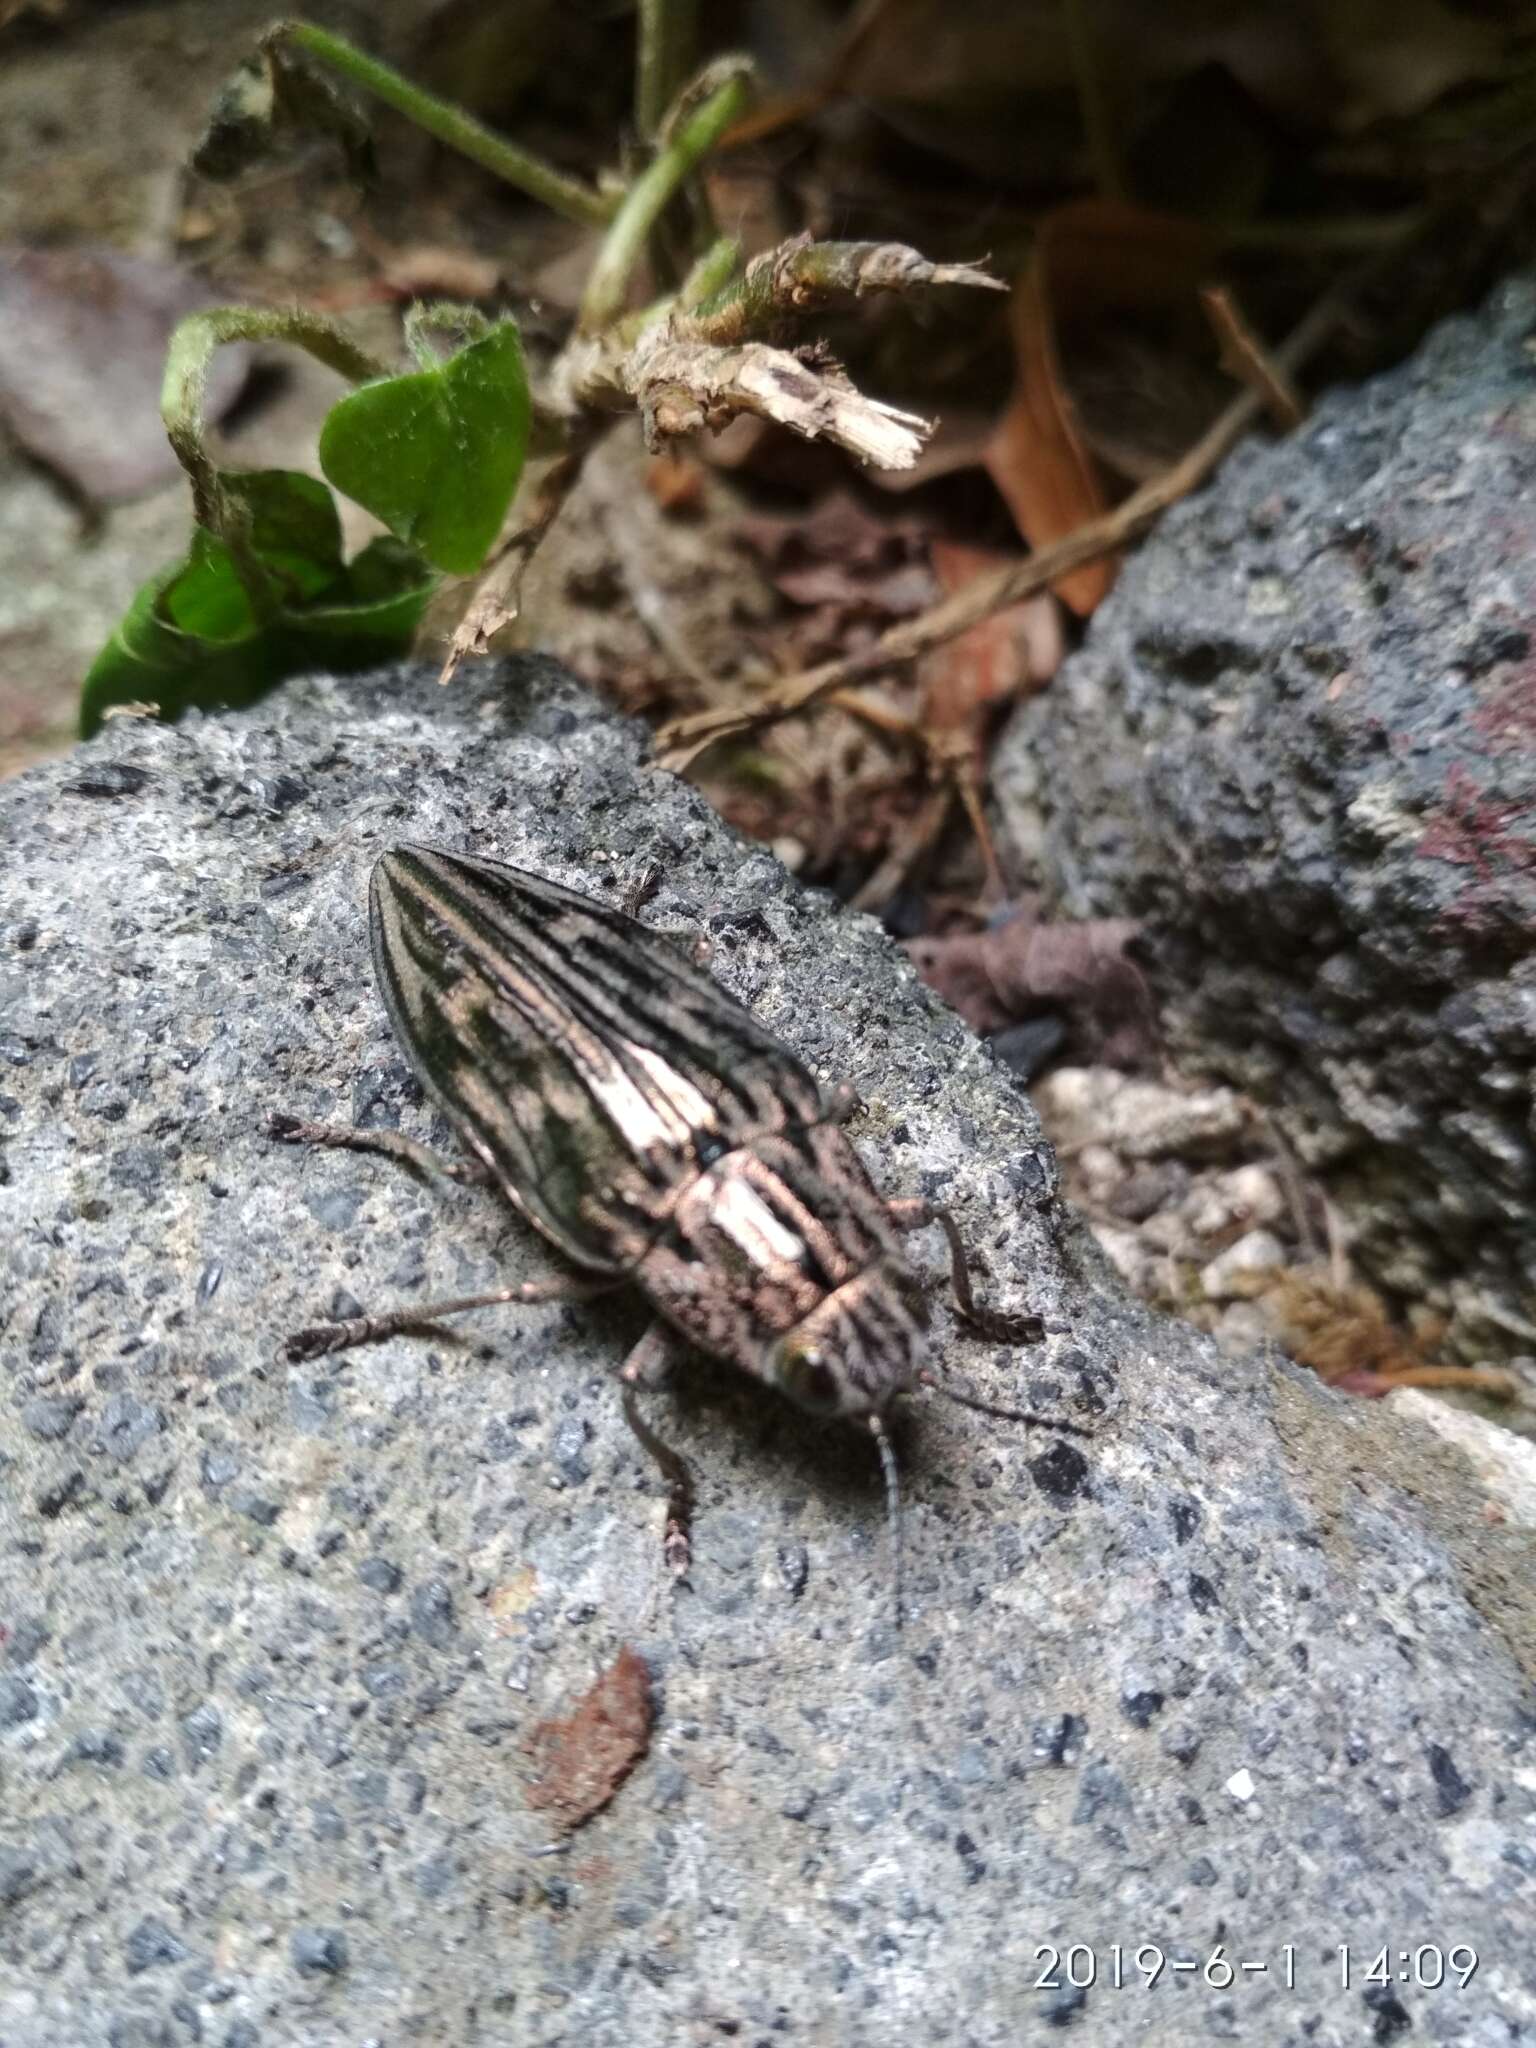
column 647, row 1124
column 659, row 1136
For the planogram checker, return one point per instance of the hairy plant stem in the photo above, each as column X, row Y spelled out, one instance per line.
column 561, row 194
column 707, row 109
column 181, row 407
column 667, row 34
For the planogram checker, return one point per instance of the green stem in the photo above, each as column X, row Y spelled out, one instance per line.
column 667, row 32
column 450, row 124
column 1093, row 100
column 685, row 143
column 710, row 275
column 186, row 375
column 181, row 407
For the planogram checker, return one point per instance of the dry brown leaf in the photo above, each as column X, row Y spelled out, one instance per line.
column 675, row 480
column 841, row 556
column 583, row 1759
column 425, row 270
column 1037, row 457
column 1091, row 257
column 1012, row 971
column 1016, row 649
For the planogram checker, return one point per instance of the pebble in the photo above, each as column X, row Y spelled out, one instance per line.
column 1248, row 1196
column 1242, row 1327
column 318, row 1951
column 1257, row 1252
column 1138, row 1119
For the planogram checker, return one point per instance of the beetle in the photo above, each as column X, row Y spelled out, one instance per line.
column 657, row 1135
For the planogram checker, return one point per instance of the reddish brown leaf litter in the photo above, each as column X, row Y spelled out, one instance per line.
column 844, row 562
column 1018, row 648
column 1015, row 970
column 584, row 1759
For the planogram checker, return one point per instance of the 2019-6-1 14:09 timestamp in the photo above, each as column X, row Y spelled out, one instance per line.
column 1350, row 1966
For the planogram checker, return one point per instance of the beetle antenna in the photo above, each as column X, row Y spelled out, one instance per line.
column 1028, row 1416
column 888, row 1466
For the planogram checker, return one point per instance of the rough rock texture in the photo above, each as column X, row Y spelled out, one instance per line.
column 1243, row 1671
column 1301, row 743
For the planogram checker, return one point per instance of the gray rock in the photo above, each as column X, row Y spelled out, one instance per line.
column 1300, row 743
column 18, row 1702
column 150, row 1946
column 319, row 1951
column 880, row 1832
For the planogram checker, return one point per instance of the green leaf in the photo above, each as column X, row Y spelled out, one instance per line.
column 191, row 637
column 292, row 529
column 294, row 526
column 437, row 454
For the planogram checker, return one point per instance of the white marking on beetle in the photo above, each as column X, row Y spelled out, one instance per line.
column 740, row 1211
column 669, row 1118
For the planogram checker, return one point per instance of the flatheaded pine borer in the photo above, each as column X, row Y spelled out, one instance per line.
column 658, row 1136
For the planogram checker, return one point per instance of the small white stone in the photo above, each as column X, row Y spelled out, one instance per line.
column 1241, row 1785
column 1075, row 1104
column 1257, row 1252
column 1256, row 1192
column 1165, row 1232
column 1100, row 1169
column 1242, row 1327
column 1137, row 1265
column 1248, row 1195
column 1148, row 1121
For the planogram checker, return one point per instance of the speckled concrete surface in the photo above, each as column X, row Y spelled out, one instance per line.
column 1244, row 1671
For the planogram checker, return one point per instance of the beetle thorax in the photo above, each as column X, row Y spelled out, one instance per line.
column 859, row 1347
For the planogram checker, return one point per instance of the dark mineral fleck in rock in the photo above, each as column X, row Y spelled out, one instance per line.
column 318, row 1951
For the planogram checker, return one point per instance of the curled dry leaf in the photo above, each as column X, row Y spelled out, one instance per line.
column 1345, row 1334
column 1012, row 971
column 583, row 1759
column 1090, row 258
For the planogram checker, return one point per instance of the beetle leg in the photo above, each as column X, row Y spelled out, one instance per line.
column 317, row 1339
column 1030, row 1417
column 292, row 1130
column 843, row 1101
column 636, row 1372
column 911, row 1212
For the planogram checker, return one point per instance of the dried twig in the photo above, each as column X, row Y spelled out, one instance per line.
column 907, row 850
column 681, row 386
column 684, row 739
column 694, row 366
column 693, row 362
column 497, row 598
column 1245, row 357
column 803, row 276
